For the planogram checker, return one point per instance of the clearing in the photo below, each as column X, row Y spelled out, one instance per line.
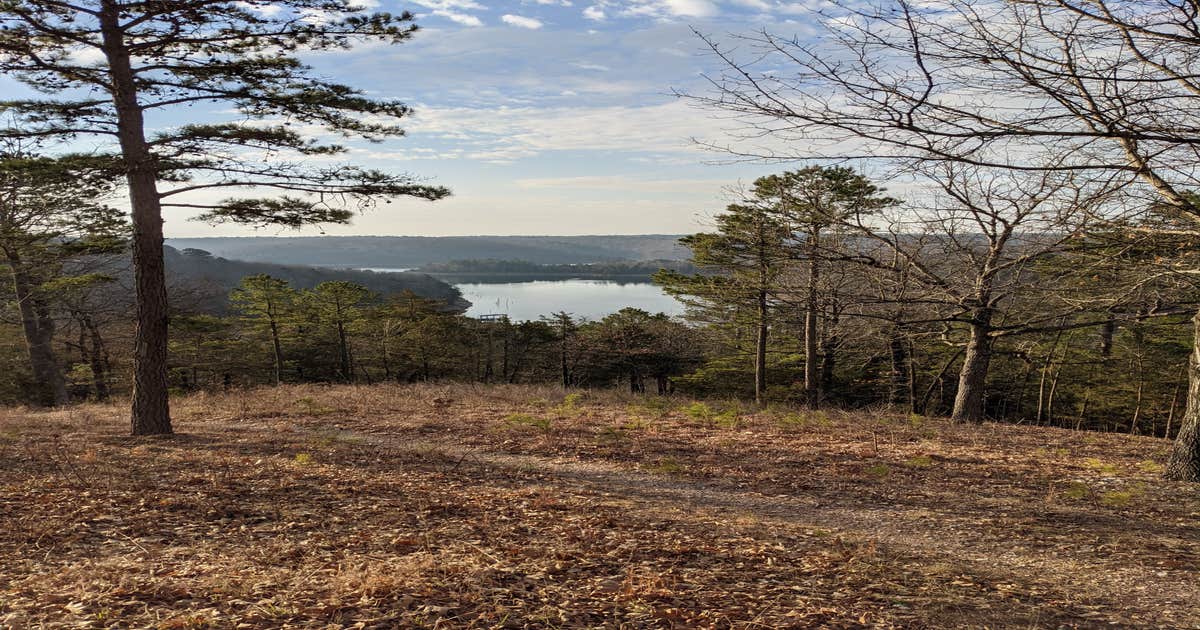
column 508, row 506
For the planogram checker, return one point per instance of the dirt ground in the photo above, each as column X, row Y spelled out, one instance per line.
column 508, row 507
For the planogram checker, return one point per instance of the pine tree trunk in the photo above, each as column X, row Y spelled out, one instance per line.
column 1184, row 464
column 277, row 347
column 760, row 351
column 972, row 379
column 39, row 337
column 150, row 409
column 97, row 358
column 812, row 392
column 343, row 353
column 897, row 387
column 829, row 360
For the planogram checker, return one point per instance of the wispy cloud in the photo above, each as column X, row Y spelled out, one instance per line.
column 521, row 21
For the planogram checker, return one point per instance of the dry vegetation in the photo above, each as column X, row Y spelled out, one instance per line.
column 464, row 506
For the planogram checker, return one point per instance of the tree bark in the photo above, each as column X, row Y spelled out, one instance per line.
column 1184, row 464
column 39, row 337
column 760, row 351
column 829, row 346
column 277, row 347
column 150, row 412
column 898, row 376
column 972, row 378
column 98, row 358
column 812, row 391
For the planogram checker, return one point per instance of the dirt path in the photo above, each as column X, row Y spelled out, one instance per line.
column 1143, row 592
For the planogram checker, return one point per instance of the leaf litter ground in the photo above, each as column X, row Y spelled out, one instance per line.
column 508, row 507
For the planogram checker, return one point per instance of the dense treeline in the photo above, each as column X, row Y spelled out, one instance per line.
column 822, row 289
column 816, row 288
column 339, row 331
column 403, row 252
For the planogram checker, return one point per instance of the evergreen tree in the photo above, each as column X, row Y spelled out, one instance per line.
column 743, row 261
column 113, row 64
column 51, row 210
column 265, row 303
column 812, row 201
column 337, row 306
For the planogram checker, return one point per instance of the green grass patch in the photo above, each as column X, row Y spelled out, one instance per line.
column 879, row 471
column 666, row 466
column 524, row 419
column 1077, row 490
column 1151, row 467
column 920, row 461
column 1099, row 466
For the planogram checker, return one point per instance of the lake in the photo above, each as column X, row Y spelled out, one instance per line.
column 591, row 299
column 526, row 298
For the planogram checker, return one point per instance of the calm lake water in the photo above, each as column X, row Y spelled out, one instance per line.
column 592, row 299
column 526, row 299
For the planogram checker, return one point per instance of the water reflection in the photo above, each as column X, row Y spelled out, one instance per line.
column 592, row 299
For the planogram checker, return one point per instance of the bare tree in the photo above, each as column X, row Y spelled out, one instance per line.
column 1103, row 88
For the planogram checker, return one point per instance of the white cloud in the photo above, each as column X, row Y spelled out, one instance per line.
column 462, row 18
column 450, row 5
column 671, row 8
column 620, row 183
column 509, row 133
column 594, row 13
column 590, row 66
column 521, row 21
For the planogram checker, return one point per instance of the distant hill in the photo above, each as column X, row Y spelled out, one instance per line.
column 415, row 251
column 213, row 276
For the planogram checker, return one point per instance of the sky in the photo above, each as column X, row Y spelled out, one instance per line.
column 550, row 116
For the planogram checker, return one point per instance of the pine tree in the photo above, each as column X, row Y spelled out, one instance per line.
column 744, row 260
column 266, row 302
column 111, row 65
column 811, row 201
column 336, row 306
column 51, row 210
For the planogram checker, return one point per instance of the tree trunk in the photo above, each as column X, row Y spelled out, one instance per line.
column 897, row 385
column 278, row 349
column 1184, row 464
column 812, row 392
column 39, row 337
column 150, row 412
column 972, row 379
column 829, row 347
column 760, row 351
column 98, row 358
column 343, row 353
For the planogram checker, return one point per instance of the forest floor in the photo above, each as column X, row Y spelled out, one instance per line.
column 507, row 506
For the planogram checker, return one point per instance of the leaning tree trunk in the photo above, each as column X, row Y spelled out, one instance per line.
column 151, row 413
column 39, row 339
column 1184, row 464
column 972, row 379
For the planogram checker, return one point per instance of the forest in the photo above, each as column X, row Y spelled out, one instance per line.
column 794, row 298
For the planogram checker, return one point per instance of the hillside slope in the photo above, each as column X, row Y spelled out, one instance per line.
column 217, row 276
column 468, row 506
column 414, row 251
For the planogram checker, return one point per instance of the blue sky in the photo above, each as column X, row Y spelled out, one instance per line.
column 550, row 116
